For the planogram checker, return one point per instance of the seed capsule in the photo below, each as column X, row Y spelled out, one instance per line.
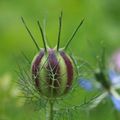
column 52, row 69
column 53, row 72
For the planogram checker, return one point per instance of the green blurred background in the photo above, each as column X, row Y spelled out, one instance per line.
column 102, row 22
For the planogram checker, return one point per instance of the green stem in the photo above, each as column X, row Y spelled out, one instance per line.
column 49, row 111
column 117, row 115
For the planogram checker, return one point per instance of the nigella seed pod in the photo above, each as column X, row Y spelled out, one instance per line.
column 52, row 69
column 53, row 72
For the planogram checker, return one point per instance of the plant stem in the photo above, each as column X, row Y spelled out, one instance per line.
column 117, row 115
column 49, row 111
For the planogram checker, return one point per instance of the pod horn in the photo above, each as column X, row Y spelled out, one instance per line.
column 73, row 35
column 33, row 39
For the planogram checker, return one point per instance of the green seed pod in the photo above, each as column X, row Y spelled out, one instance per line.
column 52, row 68
column 53, row 72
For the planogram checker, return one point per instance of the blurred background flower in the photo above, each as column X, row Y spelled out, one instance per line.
column 115, row 61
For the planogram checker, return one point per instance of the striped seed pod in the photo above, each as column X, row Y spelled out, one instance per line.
column 53, row 72
column 52, row 68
